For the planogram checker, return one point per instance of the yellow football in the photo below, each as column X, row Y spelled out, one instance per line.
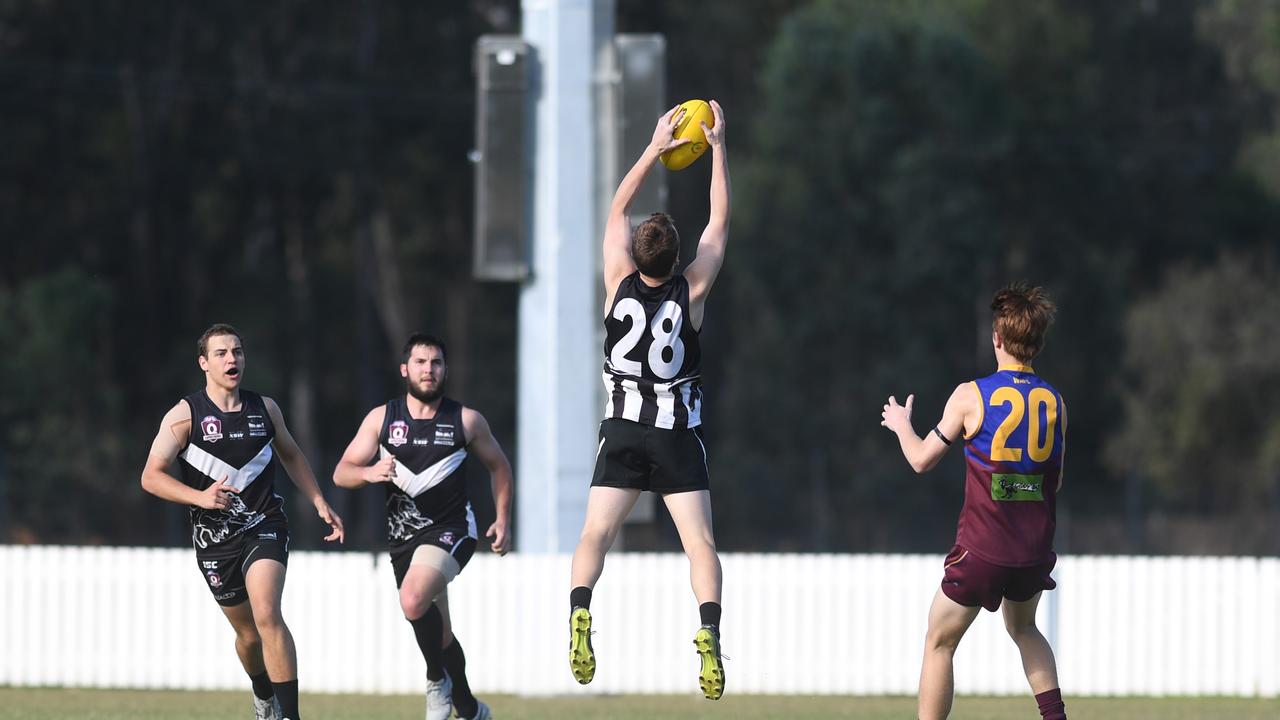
column 695, row 112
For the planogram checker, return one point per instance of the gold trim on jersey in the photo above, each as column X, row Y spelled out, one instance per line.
column 1014, row 367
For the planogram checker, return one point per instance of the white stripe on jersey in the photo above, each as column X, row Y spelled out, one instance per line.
column 239, row 479
column 666, row 395
column 414, row 484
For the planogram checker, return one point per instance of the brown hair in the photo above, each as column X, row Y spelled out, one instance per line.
column 1022, row 315
column 213, row 331
column 655, row 246
column 424, row 340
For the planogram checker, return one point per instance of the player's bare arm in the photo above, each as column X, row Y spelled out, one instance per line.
column 702, row 272
column 357, row 467
column 295, row 463
column 175, row 428
column 482, row 444
column 617, row 232
column 959, row 417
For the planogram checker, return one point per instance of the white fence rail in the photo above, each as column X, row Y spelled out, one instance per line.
column 812, row 624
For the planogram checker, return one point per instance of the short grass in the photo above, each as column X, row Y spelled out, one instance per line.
column 80, row 704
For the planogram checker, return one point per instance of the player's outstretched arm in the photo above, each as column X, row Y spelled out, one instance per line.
column 924, row 453
column 617, row 230
column 295, row 463
column 702, row 272
column 485, row 447
column 354, row 470
column 175, row 428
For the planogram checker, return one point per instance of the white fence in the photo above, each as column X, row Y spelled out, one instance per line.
column 121, row 617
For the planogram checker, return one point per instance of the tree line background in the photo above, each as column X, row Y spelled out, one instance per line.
column 300, row 170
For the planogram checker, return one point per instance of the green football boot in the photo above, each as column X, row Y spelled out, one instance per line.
column 711, row 674
column 582, row 659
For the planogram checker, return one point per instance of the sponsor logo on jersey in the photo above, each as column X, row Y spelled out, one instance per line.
column 398, row 433
column 444, row 434
column 1009, row 487
column 212, row 428
column 421, row 441
column 236, row 436
column 257, row 426
column 215, row 581
column 1021, row 381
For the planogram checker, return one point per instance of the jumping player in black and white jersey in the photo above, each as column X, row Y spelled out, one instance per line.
column 232, row 443
column 651, row 437
column 420, row 440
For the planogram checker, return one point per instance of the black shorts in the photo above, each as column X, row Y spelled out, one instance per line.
column 224, row 565
column 971, row 581
column 643, row 457
column 455, row 538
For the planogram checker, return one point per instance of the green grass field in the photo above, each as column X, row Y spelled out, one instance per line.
column 75, row 704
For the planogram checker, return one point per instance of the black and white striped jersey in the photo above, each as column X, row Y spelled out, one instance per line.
column 652, row 357
column 430, row 486
column 236, row 445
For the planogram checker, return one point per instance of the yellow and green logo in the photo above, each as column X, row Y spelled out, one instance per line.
column 1008, row 487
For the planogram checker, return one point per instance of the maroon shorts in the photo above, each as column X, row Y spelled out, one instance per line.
column 971, row 581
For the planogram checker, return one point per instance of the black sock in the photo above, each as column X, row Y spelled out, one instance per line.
column 580, row 597
column 429, row 629
column 710, row 613
column 455, row 663
column 261, row 686
column 287, row 694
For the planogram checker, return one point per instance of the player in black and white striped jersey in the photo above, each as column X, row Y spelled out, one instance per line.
column 230, row 445
column 651, row 437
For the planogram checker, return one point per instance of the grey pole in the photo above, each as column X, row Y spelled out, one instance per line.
column 559, row 362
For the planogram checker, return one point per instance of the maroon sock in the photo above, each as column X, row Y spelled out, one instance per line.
column 1051, row 705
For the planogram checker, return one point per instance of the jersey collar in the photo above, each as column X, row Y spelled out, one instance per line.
column 1014, row 367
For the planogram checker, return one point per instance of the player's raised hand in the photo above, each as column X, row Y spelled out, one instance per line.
column 897, row 417
column 664, row 134
column 382, row 471
column 331, row 518
column 501, row 542
column 217, row 496
column 715, row 135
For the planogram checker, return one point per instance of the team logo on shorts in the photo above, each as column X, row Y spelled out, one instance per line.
column 398, row 433
column 446, row 537
column 212, row 428
column 215, row 581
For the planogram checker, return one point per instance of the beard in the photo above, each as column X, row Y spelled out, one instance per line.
column 426, row 396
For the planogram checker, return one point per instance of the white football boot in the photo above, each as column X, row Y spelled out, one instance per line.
column 440, row 698
column 267, row 709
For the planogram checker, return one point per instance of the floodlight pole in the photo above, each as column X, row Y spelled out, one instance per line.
column 558, row 358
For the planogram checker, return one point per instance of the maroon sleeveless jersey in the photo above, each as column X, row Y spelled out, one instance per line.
column 1012, row 466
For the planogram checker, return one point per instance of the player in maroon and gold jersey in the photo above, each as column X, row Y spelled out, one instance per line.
column 1014, row 426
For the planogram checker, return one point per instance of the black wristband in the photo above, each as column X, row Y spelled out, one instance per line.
column 941, row 437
